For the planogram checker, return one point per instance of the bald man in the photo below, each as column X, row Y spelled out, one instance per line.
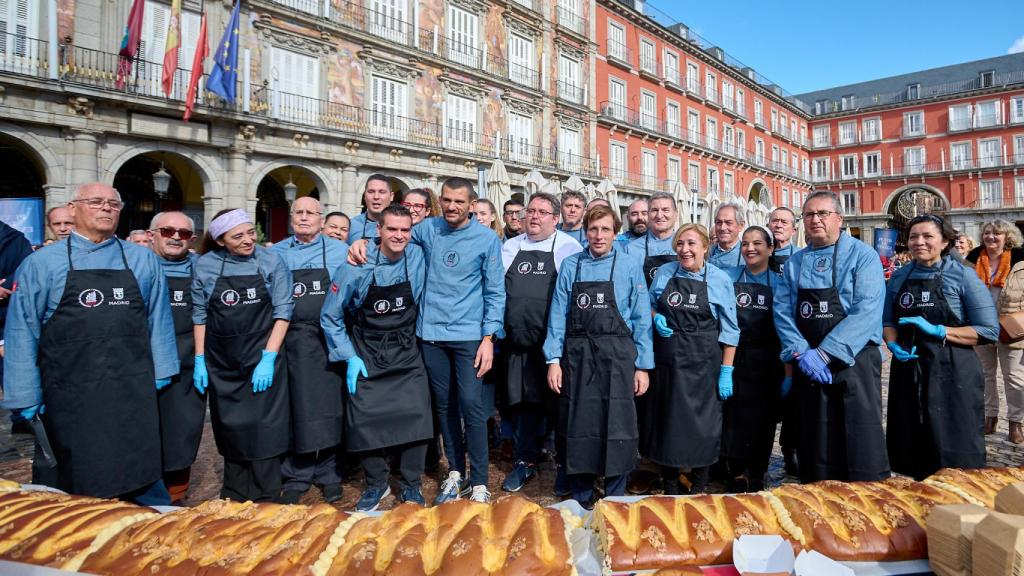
column 315, row 382
column 60, row 222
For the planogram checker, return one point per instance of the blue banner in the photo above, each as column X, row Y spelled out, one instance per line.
column 885, row 241
column 24, row 215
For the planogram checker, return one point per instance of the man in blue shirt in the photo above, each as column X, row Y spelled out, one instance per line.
column 89, row 334
column 730, row 220
column 377, row 195
column 574, row 204
column 636, row 220
column 782, row 223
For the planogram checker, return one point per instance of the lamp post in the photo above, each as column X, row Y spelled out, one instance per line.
column 693, row 205
column 290, row 190
column 161, row 182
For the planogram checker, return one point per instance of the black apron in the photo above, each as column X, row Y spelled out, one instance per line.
column 98, row 384
column 392, row 406
column 936, row 414
column 597, row 431
column 777, row 262
column 529, row 285
column 841, row 435
column 182, row 407
column 314, row 382
column 651, row 263
column 246, row 425
column 685, row 414
column 748, row 418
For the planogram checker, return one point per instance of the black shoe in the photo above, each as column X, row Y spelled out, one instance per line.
column 332, row 492
column 792, row 463
column 290, row 496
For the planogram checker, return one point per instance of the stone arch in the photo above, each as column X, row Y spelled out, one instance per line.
column 319, row 175
column 895, row 194
column 758, row 188
column 208, row 173
column 51, row 164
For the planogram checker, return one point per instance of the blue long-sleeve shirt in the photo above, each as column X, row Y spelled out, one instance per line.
column 861, row 286
column 40, row 284
column 349, row 290
column 298, row 255
column 649, row 245
column 465, row 294
column 720, row 295
column 276, row 277
column 625, row 238
column 726, row 258
column 179, row 268
column 362, row 227
column 579, row 235
column 788, row 250
column 630, row 297
column 961, row 287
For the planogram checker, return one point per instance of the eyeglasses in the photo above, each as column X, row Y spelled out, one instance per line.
column 820, row 214
column 301, row 213
column 536, row 212
column 98, row 203
column 515, row 213
column 417, row 206
column 169, row 232
column 779, row 221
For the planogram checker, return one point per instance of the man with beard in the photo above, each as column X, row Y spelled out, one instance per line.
column 377, row 195
column 512, row 215
column 636, row 219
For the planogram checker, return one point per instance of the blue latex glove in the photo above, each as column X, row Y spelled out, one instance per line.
column 814, row 363
column 263, row 375
column 200, row 378
column 162, row 382
column 725, row 382
column 900, row 354
column 661, row 325
column 356, row 366
column 787, row 383
column 30, row 412
column 925, row 327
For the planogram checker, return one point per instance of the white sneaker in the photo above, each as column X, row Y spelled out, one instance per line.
column 449, row 489
column 480, row 494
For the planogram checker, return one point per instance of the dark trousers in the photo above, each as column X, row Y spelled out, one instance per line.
column 154, row 494
column 528, row 420
column 177, row 482
column 459, row 400
column 582, row 486
column 256, row 480
column 410, row 465
column 300, row 471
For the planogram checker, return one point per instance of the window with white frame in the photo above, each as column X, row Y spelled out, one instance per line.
column 849, row 202
column 521, row 60
column 728, row 95
column 648, row 61
column 727, row 184
column 692, row 77
column 792, row 130
column 872, row 163
column 671, row 66
column 821, row 166
column 570, row 86
column 960, row 156
column 988, row 114
column 991, row 193
column 871, row 129
column 388, row 101
column 775, row 155
column 617, row 162
column 569, row 15
column 693, row 174
column 784, row 199
column 460, row 123
column 805, row 164
column 462, row 37
column 727, row 140
column 1017, row 109
column 990, row 152
column 741, row 143
column 616, row 41
column 711, row 87
column 797, row 200
column 388, row 19
column 782, row 123
column 711, row 133
column 822, row 136
column 673, row 170
column 1018, row 191
column 520, row 134
column 848, row 165
column 758, row 112
column 648, row 110
column 848, row 132
column 775, row 120
column 569, row 158
column 616, row 99
column 913, row 160
column 795, row 164
column 959, row 117
column 693, row 126
column 673, row 119
column 741, row 102
column 783, row 159
column 1018, row 149
column 759, row 151
column 18, row 17
column 649, row 168
column 712, row 181
column 913, row 123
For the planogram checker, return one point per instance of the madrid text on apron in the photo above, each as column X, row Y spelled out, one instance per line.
column 749, row 417
column 98, row 383
column 685, row 414
column 182, row 407
column 841, row 434
column 529, row 285
column 597, row 431
column 936, row 403
column 246, row 425
column 392, row 406
column 314, row 382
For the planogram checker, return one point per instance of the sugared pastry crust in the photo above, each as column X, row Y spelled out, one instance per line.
column 52, row 529
column 860, row 521
column 976, row 486
column 511, row 536
column 220, row 537
column 660, row 532
column 8, row 485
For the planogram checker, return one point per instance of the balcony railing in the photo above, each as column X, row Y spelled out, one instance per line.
column 617, row 51
column 710, row 93
column 569, row 19
column 899, row 167
column 672, row 76
column 870, row 135
column 649, row 64
column 912, row 130
column 531, row 4
column 821, row 142
column 571, row 92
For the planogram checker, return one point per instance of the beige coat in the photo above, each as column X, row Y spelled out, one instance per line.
column 1011, row 299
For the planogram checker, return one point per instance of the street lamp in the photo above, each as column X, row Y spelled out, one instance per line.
column 693, row 204
column 161, row 181
column 290, row 189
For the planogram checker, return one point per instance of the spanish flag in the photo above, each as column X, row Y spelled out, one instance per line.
column 171, row 48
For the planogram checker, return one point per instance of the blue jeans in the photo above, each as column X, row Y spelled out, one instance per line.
column 459, row 401
column 527, row 431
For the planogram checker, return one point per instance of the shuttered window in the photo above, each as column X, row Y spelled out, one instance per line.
column 388, row 117
column 153, row 43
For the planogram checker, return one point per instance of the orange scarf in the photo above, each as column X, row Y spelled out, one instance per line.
column 983, row 269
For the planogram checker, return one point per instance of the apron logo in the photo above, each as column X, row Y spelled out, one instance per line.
column 179, row 296
column 250, row 293
column 823, row 263
column 743, row 299
column 540, row 266
column 907, row 300
column 675, row 299
column 399, row 301
column 600, row 298
column 381, row 306
column 692, row 299
column 118, row 293
column 316, row 285
column 229, row 297
column 525, row 268
column 926, row 296
column 451, row 258
column 823, row 307
column 652, row 272
column 806, row 309
column 760, row 299
column 298, row 290
column 90, row 298
column 583, row 301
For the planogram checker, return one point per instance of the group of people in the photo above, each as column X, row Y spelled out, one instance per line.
column 371, row 337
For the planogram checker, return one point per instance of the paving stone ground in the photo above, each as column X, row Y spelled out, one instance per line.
column 16, row 453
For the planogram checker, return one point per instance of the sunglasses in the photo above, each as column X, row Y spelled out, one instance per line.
column 168, row 232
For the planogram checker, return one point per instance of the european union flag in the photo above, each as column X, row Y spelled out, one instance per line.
column 224, row 76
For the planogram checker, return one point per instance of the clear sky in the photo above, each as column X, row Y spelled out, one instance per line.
column 805, row 46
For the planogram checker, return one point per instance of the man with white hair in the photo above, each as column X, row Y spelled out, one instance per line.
column 60, row 222
column 90, row 336
column 139, row 237
column 730, row 220
column 782, row 223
